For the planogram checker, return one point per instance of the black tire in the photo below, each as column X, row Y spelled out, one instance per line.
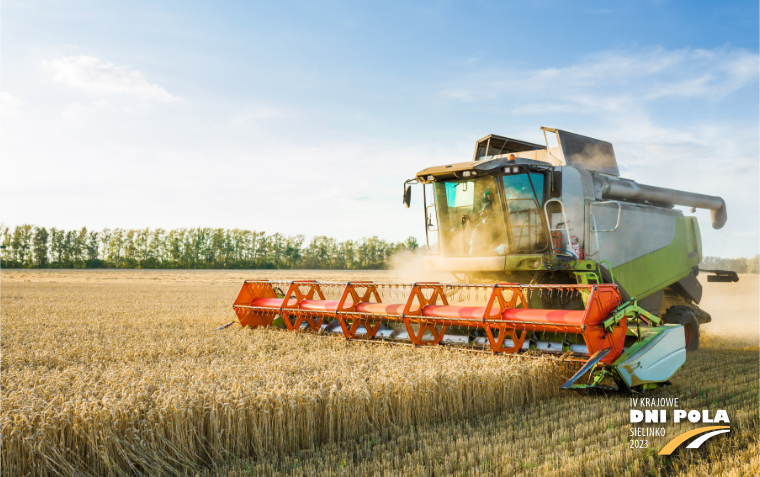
column 684, row 316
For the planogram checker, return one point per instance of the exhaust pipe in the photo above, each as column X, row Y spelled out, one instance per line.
column 629, row 190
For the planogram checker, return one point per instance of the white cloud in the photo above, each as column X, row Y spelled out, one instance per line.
column 615, row 76
column 256, row 114
column 8, row 102
column 94, row 75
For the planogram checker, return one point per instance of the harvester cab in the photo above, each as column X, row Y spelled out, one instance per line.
column 553, row 252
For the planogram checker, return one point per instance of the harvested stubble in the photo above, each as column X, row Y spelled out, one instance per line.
column 574, row 435
column 129, row 377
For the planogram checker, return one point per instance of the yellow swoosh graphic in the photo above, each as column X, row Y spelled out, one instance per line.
column 680, row 439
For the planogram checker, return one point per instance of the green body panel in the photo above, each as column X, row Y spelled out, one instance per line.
column 694, row 237
column 532, row 263
column 522, row 262
column 656, row 270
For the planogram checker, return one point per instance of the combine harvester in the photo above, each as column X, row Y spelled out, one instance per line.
column 561, row 254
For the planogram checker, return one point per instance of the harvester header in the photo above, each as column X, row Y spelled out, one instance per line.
column 422, row 314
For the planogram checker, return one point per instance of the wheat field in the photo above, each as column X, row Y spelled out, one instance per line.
column 124, row 373
column 132, row 377
column 572, row 435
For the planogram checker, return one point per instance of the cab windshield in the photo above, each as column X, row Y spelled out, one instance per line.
column 524, row 197
column 471, row 219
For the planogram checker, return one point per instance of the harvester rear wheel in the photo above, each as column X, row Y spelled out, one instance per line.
column 684, row 316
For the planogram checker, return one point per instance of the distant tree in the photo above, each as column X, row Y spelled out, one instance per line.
column 157, row 248
column 411, row 244
column 738, row 265
column 56, row 246
column 348, row 257
column 293, row 251
column 320, row 253
column 40, row 247
column 104, row 237
column 115, row 247
column 79, row 248
column 371, row 253
column 217, row 248
column 69, row 239
column 753, row 265
column 21, row 243
column 142, row 248
column 5, row 247
column 261, row 250
column 91, row 249
column 130, row 249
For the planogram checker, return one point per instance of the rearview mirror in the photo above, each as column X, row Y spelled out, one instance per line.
column 407, row 195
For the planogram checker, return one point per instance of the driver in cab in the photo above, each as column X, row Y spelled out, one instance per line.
column 485, row 232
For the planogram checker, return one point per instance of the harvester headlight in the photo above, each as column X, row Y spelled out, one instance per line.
column 430, row 178
column 466, row 174
column 515, row 169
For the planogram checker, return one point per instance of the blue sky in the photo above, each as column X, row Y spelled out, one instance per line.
column 306, row 118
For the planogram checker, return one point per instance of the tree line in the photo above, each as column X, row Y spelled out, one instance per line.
column 28, row 246
column 738, row 265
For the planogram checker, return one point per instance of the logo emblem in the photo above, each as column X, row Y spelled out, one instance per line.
column 707, row 432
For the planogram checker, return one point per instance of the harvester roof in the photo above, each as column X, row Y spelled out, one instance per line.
column 477, row 167
column 493, row 151
column 493, row 145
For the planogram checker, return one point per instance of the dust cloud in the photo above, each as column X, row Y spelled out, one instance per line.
column 409, row 267
column 735, row 310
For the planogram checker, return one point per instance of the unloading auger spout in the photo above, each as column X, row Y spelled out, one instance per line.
column 622, row 189
column 614, row 338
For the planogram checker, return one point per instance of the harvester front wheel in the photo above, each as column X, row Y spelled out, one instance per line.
column 684, row 316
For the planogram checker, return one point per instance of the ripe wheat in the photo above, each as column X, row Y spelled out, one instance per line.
column 573, row 435
column 106, row 379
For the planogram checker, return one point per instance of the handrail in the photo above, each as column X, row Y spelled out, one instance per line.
column 427, row 230
column 592, row 227
column 609, row 267
column 617, row 223
column 564, row 218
